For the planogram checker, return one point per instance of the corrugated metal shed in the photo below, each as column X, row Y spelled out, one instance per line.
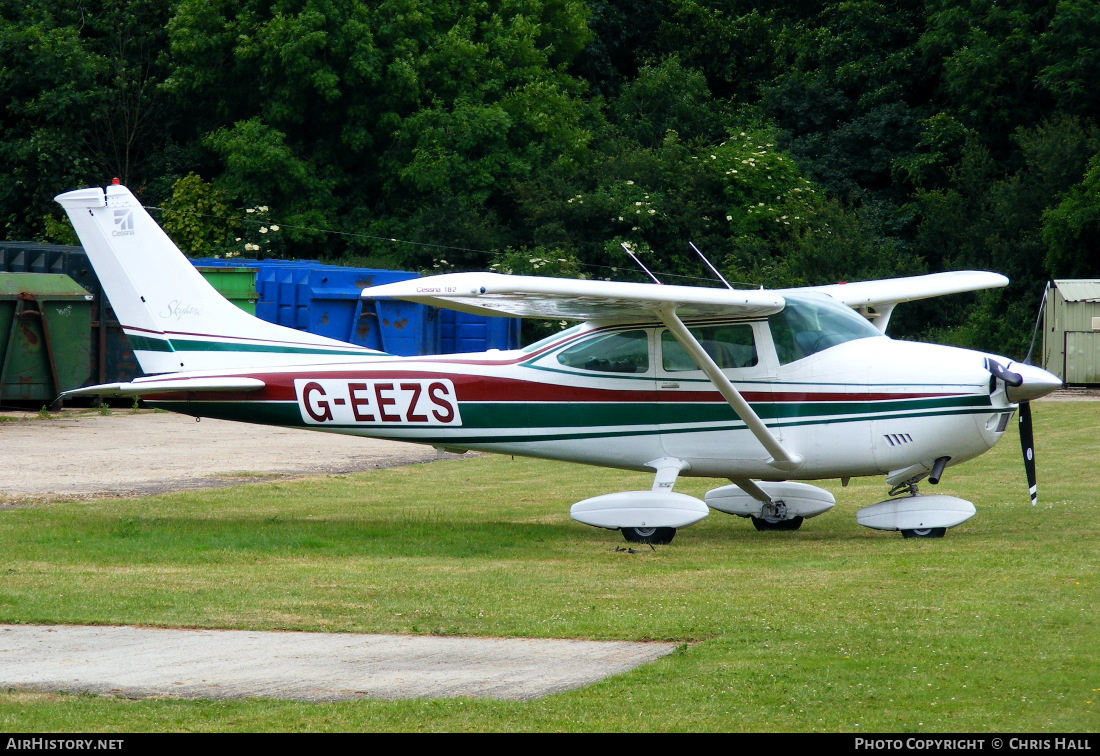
column 1084, row 290
column 1071, row 330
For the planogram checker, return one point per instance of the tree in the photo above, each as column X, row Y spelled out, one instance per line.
column 1071, row 229
column 381, row 118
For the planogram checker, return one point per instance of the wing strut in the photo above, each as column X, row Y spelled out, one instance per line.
column 781, row 458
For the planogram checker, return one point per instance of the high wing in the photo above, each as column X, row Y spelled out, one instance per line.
column 574, row 299
column 876, row 299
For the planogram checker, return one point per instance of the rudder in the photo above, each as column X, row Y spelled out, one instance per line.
column 173, row 318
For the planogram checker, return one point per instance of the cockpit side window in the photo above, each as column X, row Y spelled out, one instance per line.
column 621, row 352
column 730, row 346
column 808, row 325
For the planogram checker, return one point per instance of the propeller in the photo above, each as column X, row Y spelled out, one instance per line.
column 1022, row 384
column 1027, row 442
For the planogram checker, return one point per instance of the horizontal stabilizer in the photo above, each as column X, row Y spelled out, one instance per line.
column 146, row 386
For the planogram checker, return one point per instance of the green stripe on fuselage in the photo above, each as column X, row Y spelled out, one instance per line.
column 154, row 344
column 701, row 412
column 611, row 418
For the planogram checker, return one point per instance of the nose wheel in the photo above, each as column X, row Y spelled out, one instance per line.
column 924, row 533
column 770, row 523
column 649, row 535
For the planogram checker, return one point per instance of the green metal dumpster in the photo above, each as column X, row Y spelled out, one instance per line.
column 238, row 285
column 45, row 336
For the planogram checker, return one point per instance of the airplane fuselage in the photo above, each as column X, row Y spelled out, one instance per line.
column 864, row 407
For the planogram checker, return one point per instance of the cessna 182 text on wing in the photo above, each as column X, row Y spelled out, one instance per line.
column 763, row 388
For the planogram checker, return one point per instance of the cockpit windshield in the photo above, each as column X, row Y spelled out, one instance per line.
column 812, row 323
column 552, row 338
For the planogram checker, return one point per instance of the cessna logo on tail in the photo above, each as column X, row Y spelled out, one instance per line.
column 124, row 223
column 329, row 401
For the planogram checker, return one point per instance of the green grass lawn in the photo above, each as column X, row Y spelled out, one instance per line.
column 833, row 628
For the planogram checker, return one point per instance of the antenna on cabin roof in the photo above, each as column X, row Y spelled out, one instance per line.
column 639, row 262
column 713, row 269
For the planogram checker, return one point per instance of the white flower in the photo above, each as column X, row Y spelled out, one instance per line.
column 274, row 228
column 729, row 217
column 263, row 229
column 630, row 183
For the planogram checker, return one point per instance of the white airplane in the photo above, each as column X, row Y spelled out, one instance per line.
column 764, row 388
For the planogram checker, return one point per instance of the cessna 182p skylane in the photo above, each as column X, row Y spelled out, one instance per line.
column 764, row 388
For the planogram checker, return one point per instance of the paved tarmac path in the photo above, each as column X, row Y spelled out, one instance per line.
column 82, row 455
column 140, row 662
column 87, row 455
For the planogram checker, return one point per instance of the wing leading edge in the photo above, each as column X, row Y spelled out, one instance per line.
column 574, row 299
column 876, row 299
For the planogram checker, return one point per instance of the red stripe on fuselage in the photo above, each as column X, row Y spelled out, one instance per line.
column 484, row 388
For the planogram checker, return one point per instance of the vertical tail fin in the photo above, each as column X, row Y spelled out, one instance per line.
column 174, row 319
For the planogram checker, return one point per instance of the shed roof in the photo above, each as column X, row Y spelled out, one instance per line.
column 1080, row 290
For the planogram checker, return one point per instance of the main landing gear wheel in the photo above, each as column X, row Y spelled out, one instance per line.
column 924, row 533
column 762, row 523
column 649, row 535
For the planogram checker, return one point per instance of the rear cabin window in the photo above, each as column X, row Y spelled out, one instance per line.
column 622, row 352
column 730, row 346
column 812, row 324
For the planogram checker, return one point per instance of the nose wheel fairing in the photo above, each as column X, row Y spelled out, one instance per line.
column 922, row 514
